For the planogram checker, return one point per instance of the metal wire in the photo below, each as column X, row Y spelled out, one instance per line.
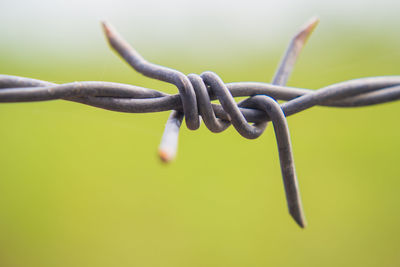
column 196, row 93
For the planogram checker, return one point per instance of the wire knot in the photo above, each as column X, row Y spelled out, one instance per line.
column 210, row 84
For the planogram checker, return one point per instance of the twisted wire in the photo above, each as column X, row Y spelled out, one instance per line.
column 196, row 93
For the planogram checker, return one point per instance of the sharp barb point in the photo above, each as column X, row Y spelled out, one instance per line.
column 299, row 218
column 281, row 77
column 306, row 30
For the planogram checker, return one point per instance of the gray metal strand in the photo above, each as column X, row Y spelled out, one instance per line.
column 131, row 99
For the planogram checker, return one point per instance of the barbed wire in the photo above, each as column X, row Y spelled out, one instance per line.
column 196, row 93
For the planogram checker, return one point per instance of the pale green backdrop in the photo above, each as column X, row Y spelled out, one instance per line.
column 81, row 186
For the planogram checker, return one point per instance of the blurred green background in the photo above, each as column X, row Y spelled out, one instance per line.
column 81, row 186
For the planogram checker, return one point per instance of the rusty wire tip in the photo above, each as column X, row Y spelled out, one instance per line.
column 169, row 140
column 306, row 30
column 165, row 156
column 296, row 45
column 168, row 147
column 114, row 39
column 109, row 32
column 107, row 28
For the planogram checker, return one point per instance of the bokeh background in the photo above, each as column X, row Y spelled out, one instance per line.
column 81, row 186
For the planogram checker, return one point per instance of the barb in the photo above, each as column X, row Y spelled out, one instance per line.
column 196, row 93
column 281, row 128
